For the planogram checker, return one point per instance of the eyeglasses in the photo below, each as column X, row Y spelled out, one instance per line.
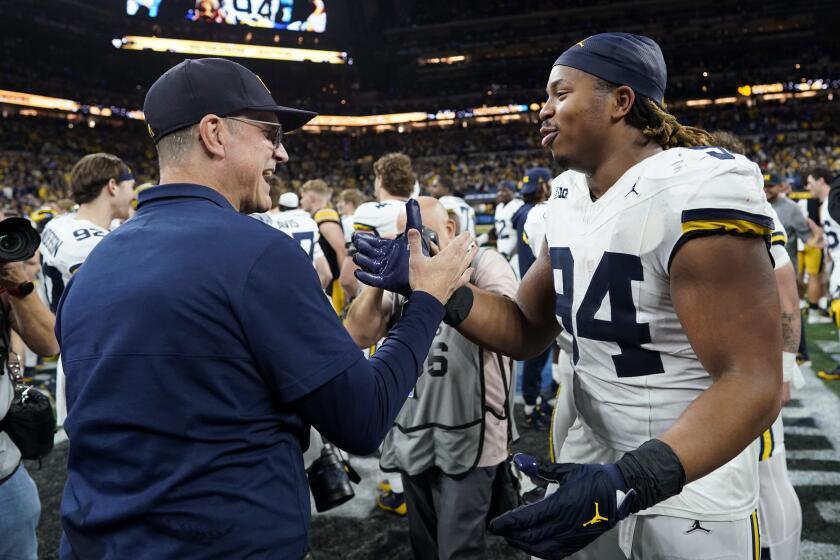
column 272, row 135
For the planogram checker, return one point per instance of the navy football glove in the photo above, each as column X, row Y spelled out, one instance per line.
column 590, row 500
column 383, row 263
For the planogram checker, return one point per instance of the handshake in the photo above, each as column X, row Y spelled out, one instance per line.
column 403, row 265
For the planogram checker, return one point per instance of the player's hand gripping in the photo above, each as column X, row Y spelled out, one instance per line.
column 590, row 500
column 402, row 265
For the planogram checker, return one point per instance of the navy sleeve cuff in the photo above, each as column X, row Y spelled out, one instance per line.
column 356, row 409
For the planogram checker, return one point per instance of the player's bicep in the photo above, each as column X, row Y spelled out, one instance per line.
column 724, row 292
column 334, row 235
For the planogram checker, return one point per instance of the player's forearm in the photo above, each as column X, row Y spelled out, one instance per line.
column 498, row 324
column 740, row 404
column 348, row 280
column 322, row 267
column 35, row 324
column 789, row 304
column 365, row 321
column 372, row 392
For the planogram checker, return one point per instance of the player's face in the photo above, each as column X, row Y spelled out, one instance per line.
column 308, row 201
column 503, row 196
column 574, row 119
column 437, row 190
column 773, row 191
column 817, row 187
column 254, row 158
column 345, row 208
column 123, row 196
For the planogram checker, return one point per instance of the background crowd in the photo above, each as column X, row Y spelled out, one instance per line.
column 36, row 154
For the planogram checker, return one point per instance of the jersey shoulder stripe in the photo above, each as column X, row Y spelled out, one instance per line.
column 733, row 221
column 326, row 215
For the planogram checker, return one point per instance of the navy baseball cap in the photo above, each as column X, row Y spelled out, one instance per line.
column 194, row 88
column 532, row 179
column 771, row 178
column 623, row 59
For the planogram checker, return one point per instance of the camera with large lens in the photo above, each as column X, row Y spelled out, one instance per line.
column 329, row 479
column 18, row 240
column 429, row 238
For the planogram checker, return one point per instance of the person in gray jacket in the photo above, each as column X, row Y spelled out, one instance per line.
column 453, row 431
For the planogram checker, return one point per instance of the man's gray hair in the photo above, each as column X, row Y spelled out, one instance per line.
column 173, row 148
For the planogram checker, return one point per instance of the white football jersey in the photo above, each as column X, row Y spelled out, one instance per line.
column 297, row 224
column 378, row 217
column 347, row 227
column 635, row 370
column 65, row 244
column 505, row 232
column 534, row 228
column 778, row 242
column 832, row 233
column 463, row 211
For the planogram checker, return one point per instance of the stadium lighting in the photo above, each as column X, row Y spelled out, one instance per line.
column 235, row 50
column 444, row 59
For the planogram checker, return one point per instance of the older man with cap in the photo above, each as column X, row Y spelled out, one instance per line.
column 656, row 262
column 189, row 409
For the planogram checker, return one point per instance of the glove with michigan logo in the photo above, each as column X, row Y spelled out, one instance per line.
column 383, row 263
column 590, row 500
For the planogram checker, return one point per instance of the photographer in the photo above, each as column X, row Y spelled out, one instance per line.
column 452, row 433
column 22, row 311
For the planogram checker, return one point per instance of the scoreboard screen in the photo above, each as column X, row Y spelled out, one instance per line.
column 292, row 15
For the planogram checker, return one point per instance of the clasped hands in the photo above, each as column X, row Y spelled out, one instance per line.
column 403, row 265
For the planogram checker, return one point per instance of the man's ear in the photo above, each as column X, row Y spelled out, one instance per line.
column 112, row 187
column 452, row 227
column 213, row 134
column 622, row 101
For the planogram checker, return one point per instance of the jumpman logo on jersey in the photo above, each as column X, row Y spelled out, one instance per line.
column 597, row 518
column 632, row 190
column 697, row 527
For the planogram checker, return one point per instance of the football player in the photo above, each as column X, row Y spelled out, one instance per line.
column 506, row 207
column 443, row 189
column 348, row 201
column 656, row 262
column 779, row 512
column 393, row 184
column 820, row 185
column 315, row 199
column 103, row 187
column 286, row 216
column 535, row 191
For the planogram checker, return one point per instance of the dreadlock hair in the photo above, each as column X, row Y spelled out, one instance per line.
column 658, row 124
column 728, row 141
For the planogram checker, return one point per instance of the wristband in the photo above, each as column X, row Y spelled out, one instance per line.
column 788, row 364
column 459, row 306
column 654, row 471
column 23, row 290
